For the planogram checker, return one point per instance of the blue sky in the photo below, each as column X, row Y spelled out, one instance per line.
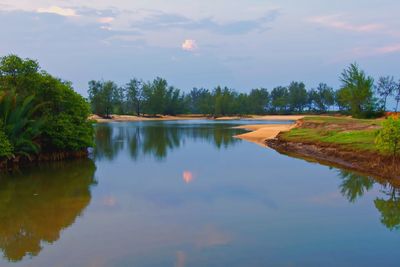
column 241, row 44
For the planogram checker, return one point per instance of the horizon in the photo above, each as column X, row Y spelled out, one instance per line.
column 241, row 45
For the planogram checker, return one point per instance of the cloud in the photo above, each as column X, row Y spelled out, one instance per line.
column 335, row 21
column 65, row 12
column 156, row 21
column 189, row 45
column 389, row 49
column 105, row 20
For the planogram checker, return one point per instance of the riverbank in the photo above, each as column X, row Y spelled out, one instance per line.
column 337, row 141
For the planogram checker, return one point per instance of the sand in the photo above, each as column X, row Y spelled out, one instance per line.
column 259, row 133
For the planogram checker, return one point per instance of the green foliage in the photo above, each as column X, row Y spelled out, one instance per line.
column 19, row 123
column 356, row 93
column 47, row 112
column 200, row 101
column 134, row 97
column 386, row 87
column 105, row 97
column 322, row 98
column 6, row 149
column 257, row 101
column 279, row 99
column 388, row 138
column 297, row 96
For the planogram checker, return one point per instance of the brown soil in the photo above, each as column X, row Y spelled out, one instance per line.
column 364, row 162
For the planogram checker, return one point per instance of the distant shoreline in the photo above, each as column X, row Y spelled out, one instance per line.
column 131, row 118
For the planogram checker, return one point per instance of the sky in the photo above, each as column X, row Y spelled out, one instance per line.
column 202, row 43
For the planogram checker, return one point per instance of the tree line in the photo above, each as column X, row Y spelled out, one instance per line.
column 358, row 95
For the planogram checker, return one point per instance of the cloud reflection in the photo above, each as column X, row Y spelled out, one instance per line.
column 180, row 259
column 187, row 177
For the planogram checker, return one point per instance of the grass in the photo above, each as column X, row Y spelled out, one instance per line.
column 346, row 132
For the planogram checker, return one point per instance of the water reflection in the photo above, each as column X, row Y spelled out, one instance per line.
column 390, row 208
column 157, row 139
column 35, row 206
column 354, row 186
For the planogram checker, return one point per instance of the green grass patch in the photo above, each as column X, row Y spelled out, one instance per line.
column 346, row 136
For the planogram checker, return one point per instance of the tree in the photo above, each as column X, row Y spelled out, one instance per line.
column 279, row 99
column 19, row 125
column 297, row 96
column 155, row 95
column 326, row 97
column 258, row 100
column 200, row 101
column 356, row 92
column 397, row 96
column 21, row 75
column 134, row 96
column 105, row 97
column 388, row 138
column 385, row 88
column 174, row 102
column 36, row 96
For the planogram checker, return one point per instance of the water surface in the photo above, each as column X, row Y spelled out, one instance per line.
column 188, row 194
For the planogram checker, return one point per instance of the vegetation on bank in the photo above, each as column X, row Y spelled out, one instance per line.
column 381, row 136
column 358, row 96
column 39, row 113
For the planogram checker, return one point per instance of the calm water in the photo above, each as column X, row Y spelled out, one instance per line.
column 188, row 194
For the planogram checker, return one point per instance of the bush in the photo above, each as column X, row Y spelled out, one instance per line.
column 388, row 138
column 6, row 149
column 64, row 112
column 19, row 124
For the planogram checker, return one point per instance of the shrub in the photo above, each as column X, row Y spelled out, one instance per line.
column 19, row 123
column 65, row 113
column 388, row 138
column 6, row 149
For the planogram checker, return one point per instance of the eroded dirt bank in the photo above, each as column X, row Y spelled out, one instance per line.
column 364, row 162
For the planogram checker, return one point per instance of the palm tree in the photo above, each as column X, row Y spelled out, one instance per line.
column 19, row 122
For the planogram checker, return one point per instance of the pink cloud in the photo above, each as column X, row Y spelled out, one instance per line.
column 389, row 49
column 105, row 20
column 334, row 21
column 189, row 45
column 65, row 12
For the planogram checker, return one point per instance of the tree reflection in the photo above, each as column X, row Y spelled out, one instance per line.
column 158, row 139
column 355, row 186
column 109, row 141
column 390, row 208
column 36, row 206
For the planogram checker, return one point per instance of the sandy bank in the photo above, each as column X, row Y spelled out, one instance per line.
column 262, row 132
column 125, row 118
